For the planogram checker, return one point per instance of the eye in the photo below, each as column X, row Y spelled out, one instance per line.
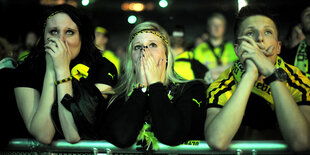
column 249, row 33
column 137, row 47
column 153, row 45
column 53, row 32
column 70, row 32
column 268, row 32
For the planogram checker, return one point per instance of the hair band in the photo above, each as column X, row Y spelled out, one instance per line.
column 150, row 31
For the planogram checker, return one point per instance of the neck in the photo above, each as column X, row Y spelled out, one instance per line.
column 177, row 51
column 216, row 41
column 101, row 47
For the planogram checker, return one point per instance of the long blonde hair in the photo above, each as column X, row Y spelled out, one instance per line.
column 128, row 80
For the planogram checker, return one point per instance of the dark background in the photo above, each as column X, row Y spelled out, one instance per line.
column 20, row 16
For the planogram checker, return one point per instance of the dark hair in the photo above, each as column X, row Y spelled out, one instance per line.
column 88, row 53
column 253, row 10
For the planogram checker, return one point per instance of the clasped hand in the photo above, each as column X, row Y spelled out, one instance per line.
column 254, row 56
column 60, row 54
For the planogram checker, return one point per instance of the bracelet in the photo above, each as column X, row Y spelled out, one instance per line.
column 142, row 87
column 63, row 80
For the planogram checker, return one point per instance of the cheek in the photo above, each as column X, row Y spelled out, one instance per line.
column 74, row 44
column 135, row 56
column 159, row 54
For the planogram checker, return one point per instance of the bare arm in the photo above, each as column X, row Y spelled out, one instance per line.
column 36, row 110
column 222, row 124
column 293, row 120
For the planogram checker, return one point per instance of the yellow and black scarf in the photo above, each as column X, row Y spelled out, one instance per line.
column 301, row 59
column 259, row 88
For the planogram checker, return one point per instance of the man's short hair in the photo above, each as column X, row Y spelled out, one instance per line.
column 216, row 15
column 253, row 10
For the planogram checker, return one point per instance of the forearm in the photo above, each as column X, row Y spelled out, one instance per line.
column 41, row 126
column 66, row 119
column 221, row 129
column 293, row 124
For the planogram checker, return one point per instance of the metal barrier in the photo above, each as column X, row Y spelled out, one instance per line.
column 61, row 147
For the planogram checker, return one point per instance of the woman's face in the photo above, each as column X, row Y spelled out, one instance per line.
column 62, row 27
column 153, row 42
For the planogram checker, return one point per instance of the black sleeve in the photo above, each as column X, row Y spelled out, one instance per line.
column 123, row 120
column 172, row 122
column 104, row 72
column 25, row 76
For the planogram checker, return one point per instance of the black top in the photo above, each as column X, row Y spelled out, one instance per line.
column 289, row 55
column 12, row 125
column 173, row 119
column 34, row 77
column 86, row 95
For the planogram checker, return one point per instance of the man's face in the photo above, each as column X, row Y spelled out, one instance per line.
column 216, row 27
column 264, row 32
column 305, row 20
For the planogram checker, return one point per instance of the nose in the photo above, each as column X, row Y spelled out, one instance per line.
column 260, row 37
column 62, row 37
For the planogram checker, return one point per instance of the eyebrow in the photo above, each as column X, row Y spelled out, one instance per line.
column 266, row 26
column 148, row 41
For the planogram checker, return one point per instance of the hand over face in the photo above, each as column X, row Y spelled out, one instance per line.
column 153, row 69
column 59, row 51
column 258, row 53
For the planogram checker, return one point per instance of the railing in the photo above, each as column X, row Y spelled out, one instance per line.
column 30, row 146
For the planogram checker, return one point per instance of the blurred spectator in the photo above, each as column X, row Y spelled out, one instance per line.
column 202, row 38
column 299, row 55
column 217, row 54
column 30, row 41
column 102, row 38
column 184, row 65
column 294, row 37
column 12, row 127
column 6, row 60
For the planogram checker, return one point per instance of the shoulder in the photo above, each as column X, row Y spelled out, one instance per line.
column 295, row 73
column 295, row 77
column 202, row 46
column 30, row 74
column 194, row 84
column 298, row 84
column 104, row 71
column 229, row 46
column 222, row 89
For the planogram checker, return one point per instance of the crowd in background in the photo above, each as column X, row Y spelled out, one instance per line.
column 208, row 59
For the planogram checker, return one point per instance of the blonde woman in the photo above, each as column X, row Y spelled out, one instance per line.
column 151, row 98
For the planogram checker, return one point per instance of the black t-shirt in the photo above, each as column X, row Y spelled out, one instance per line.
column 32, row 76
column 176, row 114
column 103, row 71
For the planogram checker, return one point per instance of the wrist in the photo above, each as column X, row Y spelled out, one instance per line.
column 154, row 81
column 251, row 76
column 270, row 71
column 63, row 73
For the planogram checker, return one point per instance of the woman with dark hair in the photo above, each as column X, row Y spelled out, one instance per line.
column 47, row 94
